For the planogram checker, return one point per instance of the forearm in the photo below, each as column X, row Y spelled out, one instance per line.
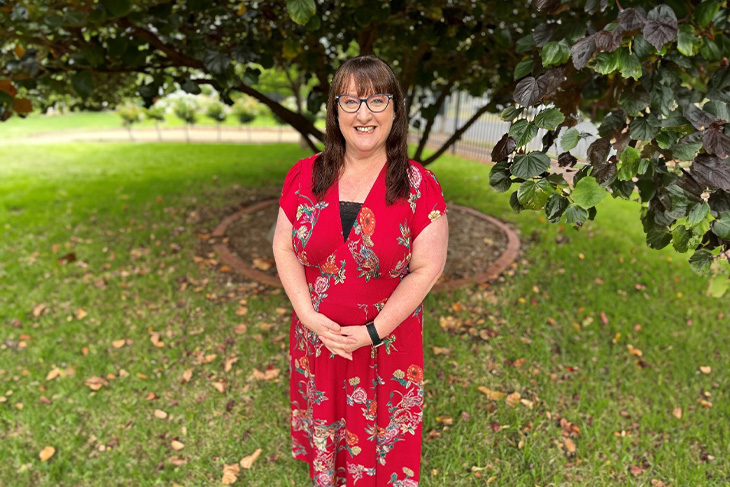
column 291, row 274
column 405, row 299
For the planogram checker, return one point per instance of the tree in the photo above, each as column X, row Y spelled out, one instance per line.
column 101, row 50
column 130, row 114
column 655, row 76
column 156, row 113
column 245, row 110
column 216, row 111
column 186, row 109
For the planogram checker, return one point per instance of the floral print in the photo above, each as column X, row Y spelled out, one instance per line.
column 358, row 422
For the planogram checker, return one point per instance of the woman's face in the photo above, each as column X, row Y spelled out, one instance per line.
column 365, row 132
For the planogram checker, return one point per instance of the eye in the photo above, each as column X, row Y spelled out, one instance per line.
column 378, row 101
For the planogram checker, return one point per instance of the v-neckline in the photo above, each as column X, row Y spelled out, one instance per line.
column 367, row 197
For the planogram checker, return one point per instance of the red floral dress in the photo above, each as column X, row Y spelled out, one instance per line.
column 358, row 423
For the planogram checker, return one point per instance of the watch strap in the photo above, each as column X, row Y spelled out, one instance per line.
column 374, row 337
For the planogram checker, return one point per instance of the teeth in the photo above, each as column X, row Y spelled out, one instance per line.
column 364, row 129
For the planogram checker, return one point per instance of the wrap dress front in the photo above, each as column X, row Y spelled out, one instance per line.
column 358, row 423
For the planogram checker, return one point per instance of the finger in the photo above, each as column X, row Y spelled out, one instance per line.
column 342, row 339
column 333, row 326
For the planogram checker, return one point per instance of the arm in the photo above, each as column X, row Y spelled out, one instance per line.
column 427, row 263
column 291, row 273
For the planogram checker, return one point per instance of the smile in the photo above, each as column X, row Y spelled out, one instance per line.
column 366, row 130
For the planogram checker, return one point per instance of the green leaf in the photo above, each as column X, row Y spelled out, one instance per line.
column 514, row 202
column 634, row 101
column 524, row 44
column 588, row 193
column 117, row 8
column 555, row 53
column 700, row 261
column 523, row 132
column 721, row 226
column 216, row 62
column 685, row 151
column 570, row 139
column 658, row 237
column 644, row 128
column 718, row 286
column 710, row 50
column 607, row 62
column 83, row 83
column 549, row 119
column 629, row 64
column 666, row 139
column 680, row 238
column 629, row 164
column 555, row 207
column 499, row 178
column 301, row 11
column 533, row 194
column 529, row 165
column 510, row 113
column 189, row 86
column 575, row 214
column 697, row 214
column 523, row 68
column 705, row 12
column 687, row 42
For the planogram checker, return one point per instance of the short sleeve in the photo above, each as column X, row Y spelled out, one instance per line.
column 429, row 199
column 289, row 200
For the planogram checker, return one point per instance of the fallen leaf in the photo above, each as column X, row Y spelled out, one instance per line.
column 263, row 264
column 55, row 372
column 37, row 310
column 677, row 413
column 705, row 369
column 119, row 343
column 441, row 351
column 636, row 470
column 178, row 461
column 239, row 329
column 634, row 351
column 187, row 375
column 493, row 395
column 247, row 462
column 445, row 420
column 527, row 403
column 519, row 362
column 95, row 383
column 230, row 473
column 513, row 399
column 220, row 387
column 155, row 339
column 228, row 364
column 241, row 311
column 46, row 453
column 150, row 396
column 570, row 445
column 604, row 318
column 268, row 375
column 80, row 314
column 266, row 326
column 159, row 413
column 176, row 445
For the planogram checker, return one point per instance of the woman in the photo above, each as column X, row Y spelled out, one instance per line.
column 360, row 240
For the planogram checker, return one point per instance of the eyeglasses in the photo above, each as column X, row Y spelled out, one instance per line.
column 375, row 103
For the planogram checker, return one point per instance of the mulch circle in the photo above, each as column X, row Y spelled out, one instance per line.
column 480, row 246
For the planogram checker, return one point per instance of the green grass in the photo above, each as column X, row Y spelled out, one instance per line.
column 129, row 214
column 17, row 127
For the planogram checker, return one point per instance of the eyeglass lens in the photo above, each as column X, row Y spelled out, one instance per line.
column 376, row 103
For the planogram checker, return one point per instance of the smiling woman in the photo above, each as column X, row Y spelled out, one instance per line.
column 357, row 252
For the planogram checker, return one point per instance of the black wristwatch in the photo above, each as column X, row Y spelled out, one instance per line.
column 374, row 337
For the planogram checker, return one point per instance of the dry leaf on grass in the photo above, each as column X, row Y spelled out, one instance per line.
column 263, row 264
column 239, row 329
column 570, row 445
column 155, row 339
column 247, row 462
column 493, row 395
column 95, row 383
column 159, row 413
column 268, row 375
column 176, row 445
column 46, row 453
column 119, row 343
column 80, row 314
column 513, row 399
column 37, row 310
column 220, row 387
column 677, row 413
column 55, row 372
column 706, row 369
column 441, row 351
column 178, row 461
column 228, row 364
column 187, row 375
column 230, row 473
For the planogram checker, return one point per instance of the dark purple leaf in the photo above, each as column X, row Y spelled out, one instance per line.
column 631, row 18
column 608, row 40
column 688, row 183
column 528, row 92
column 711, row 172
column 504, row 147
column 661, row 26
column 715, row 141
column 542, row 34
column 582, row 51
column 605, row 172
column 566, row 159
column 550, row 81
column 595, row 6
column 598, row 151
column 699, row 118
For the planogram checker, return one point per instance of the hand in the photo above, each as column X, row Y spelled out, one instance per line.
column 329, row 333
column 359, row 334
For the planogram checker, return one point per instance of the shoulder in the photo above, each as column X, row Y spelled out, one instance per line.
column 417, row 174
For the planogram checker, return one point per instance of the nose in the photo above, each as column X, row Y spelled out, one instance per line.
column 363, row 113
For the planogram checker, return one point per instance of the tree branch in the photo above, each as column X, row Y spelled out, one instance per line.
column 457, row 135
column 429, row 125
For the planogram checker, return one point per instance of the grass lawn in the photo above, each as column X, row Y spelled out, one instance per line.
column 35, row 123
column 590, row 373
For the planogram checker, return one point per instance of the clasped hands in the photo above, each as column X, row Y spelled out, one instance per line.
column 340, row 340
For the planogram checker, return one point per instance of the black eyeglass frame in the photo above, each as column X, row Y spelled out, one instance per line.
column 389, row 97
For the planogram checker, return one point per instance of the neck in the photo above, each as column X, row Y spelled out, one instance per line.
column 365, row 161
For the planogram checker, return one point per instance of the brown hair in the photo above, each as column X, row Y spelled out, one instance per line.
column 371, row 75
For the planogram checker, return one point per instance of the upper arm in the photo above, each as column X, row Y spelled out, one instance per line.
column 282, row 233
column 429, row 248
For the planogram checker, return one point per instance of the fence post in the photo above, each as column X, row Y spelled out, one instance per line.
column 456, row 120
